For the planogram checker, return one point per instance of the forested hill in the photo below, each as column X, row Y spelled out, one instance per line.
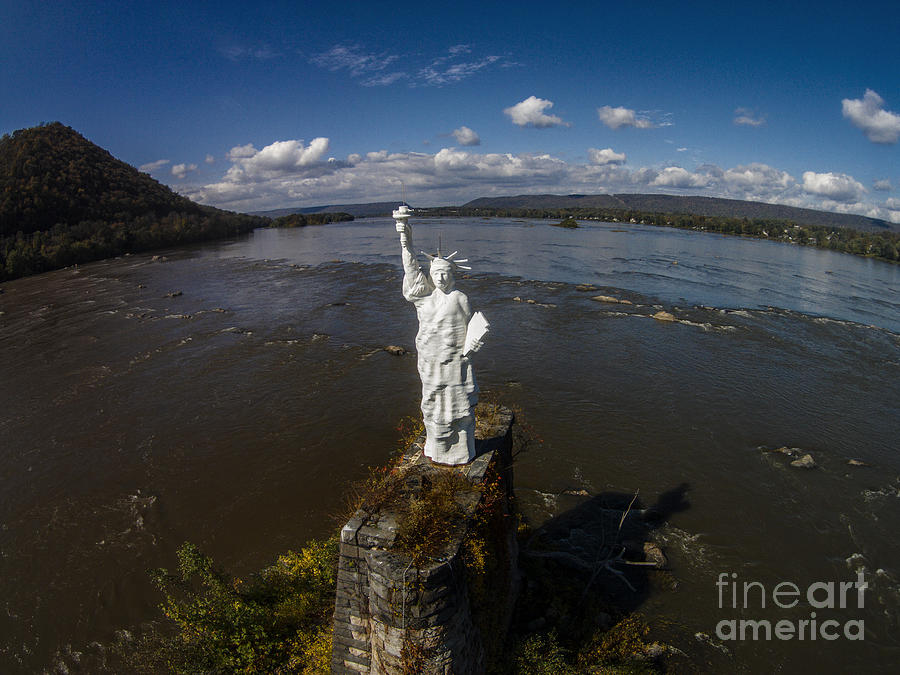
column 699, row 206
column 64, row 200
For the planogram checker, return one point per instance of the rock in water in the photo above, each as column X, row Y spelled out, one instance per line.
column 395, row 350
column 664, row 316
column 805, row 462
column 654, row 554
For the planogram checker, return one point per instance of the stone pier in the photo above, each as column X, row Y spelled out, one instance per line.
column 393, row 616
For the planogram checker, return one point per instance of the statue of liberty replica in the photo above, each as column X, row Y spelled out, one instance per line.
column 448, row 334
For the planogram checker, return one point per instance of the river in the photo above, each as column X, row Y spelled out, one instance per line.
column 232, row 414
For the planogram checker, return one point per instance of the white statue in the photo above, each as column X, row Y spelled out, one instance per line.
column 448, row 334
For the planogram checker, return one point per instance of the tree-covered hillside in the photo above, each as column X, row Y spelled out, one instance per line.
column 64, row 200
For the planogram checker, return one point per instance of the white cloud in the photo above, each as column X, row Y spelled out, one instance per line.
column 756, row 179
column 605, row 157
column 291, row 173
column 181, row 170
column 210, row 159
column 383, row 80
column 281, row 157
column 616, row 118
column 748, row 117
column 436, row 74
column 352, row 59
column 531, row 111
column 153, row 166
column 465, row 136
column 239, row 151
column 837, row 186
column 879, row 125
column 677, row 177
column 883, row 185
column 379, row 69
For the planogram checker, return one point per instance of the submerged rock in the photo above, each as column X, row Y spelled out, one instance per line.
column 857, row 462
column 606, row 298
column 585, row 287
column 785, row 450
column 805, row 462
column 654, row 554
column 395, row 350
column 664, row 316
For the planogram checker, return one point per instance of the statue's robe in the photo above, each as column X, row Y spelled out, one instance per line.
column 449, row 390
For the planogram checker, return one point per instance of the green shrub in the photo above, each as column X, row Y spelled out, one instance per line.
column 278, row 621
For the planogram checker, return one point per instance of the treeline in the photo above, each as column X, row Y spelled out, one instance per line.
column 881, row 245
column 304, row 219
column 63, row 245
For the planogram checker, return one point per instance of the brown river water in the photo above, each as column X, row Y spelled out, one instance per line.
column 233, row 414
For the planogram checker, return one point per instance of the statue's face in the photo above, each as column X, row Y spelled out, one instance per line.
column 442, row 275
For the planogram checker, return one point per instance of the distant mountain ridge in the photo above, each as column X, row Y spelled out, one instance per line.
column 700, row 206
column 368, row 210
column 650, row 203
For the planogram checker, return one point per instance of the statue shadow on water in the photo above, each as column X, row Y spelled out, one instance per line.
column 594, row 563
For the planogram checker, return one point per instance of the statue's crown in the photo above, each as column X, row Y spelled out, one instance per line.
column 448, row 260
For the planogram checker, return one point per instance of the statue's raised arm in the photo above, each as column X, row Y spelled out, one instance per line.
column 415, row 282
column 448, row 335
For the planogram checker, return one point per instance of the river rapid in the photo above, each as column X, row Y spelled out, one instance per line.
column 225, row 394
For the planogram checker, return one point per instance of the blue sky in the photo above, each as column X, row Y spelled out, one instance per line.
column 253, row 106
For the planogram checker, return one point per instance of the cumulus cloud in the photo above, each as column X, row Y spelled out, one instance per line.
column 748, row 117
column 879, row 125
column 465, row 136
column 210, row 159
column 281, row 157
column 239, row 151
column 677, row 177
column 153, row 166
column 837, row 186
column 292, row 173
column 616, row 118
column 605, row 157
column 883, row 185
column 756, row 179
column 181, row 170
column 531, row 111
